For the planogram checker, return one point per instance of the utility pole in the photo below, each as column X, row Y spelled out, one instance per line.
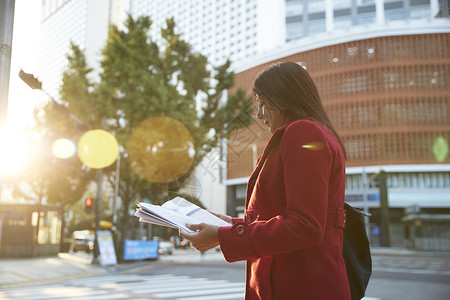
column 365, row 186
column 97, row 209
column 385, row 239
column 6, row 34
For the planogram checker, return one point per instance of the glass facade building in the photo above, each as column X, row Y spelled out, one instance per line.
column 310, row 17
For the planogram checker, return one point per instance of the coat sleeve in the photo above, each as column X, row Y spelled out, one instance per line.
column 236, row 220
column 306, row 162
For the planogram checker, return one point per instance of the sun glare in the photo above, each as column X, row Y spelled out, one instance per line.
column 13, row 153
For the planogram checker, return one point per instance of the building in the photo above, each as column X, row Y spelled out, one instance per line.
column 385, row 85
column 28, row 230
column 83, row 22
column 310, row 17
column 220, row 30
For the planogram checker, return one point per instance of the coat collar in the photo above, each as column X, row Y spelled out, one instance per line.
column 274, row 140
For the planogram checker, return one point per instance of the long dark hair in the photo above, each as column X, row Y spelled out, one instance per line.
column 288, row 87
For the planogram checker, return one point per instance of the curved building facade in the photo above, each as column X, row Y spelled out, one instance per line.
column 387, row 92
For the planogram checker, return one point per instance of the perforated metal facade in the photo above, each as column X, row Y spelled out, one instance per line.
column 388, row 97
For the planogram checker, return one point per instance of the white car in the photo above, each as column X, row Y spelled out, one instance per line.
column 165, row 248
column 82, row 240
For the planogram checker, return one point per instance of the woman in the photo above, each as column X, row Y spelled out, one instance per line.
column 291, row 234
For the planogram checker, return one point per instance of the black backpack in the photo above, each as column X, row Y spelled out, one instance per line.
column 356, row 252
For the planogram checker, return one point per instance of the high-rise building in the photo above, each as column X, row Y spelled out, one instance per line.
column 83, row 22
column 221, row 30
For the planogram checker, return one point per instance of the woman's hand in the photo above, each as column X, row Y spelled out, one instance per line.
column 226, row 218
column 204, row 238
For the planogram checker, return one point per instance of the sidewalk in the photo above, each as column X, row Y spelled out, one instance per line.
column 42, row 269
column 17, row 271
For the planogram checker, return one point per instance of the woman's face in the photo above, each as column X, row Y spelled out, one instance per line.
column 269, row 114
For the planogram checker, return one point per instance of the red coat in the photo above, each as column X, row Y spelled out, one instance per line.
column 291, row 234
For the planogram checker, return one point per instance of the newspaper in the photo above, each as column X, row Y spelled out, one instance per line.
column 175, row 214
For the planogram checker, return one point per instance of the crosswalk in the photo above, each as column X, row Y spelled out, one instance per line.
column 136, row 287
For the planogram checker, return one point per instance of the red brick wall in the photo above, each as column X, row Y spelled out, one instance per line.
column 388, row 97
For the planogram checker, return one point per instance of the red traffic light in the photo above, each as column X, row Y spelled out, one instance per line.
column 88, row 205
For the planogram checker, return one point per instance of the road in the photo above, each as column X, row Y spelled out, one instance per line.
column 188, row 275
column 410, row 277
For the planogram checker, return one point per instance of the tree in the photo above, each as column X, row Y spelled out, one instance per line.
column 143, row 79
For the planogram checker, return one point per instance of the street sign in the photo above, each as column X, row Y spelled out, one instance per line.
column 106, row 247
column 360, row 197
column 137, row 250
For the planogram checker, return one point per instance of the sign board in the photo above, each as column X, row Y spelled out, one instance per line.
column 106, row 247
column 137, row 250
column 360, row 197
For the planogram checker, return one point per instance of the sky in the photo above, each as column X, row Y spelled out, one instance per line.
column 21, row 98
column 25, row 54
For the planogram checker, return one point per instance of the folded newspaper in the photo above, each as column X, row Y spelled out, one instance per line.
column 176, row 213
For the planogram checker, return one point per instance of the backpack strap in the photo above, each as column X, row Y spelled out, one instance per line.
column 337, row 217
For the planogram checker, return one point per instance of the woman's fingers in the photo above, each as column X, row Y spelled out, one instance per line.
column 226, row 218
column 194, row 227
column 204, row 238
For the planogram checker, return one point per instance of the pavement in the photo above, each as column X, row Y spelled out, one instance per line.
column 26, row 271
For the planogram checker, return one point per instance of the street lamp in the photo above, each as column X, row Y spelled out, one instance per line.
column 35, row 84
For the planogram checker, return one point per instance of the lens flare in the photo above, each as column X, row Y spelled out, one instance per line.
column 63, row 148
column 440, row 149
column 314, row 146
column 14, row 152
column 160, row 149
column 98, row 148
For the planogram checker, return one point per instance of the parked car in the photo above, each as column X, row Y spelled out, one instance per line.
column 82, row 240
column 165, row 248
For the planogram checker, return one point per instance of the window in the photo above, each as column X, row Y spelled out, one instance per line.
column 294, row 19
column 366, row 18
column 342, row 23
column 316, row 6
column 294, row 8
column 317, row 26
column 342, row 3
column 419, row 12
column 294, row 31
column 393, row 15
column 364, row 2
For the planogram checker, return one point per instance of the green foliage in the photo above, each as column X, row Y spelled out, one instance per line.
column 141, row 79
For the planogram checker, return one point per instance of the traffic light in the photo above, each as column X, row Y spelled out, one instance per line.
column 29, row 79
column 88, row 205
